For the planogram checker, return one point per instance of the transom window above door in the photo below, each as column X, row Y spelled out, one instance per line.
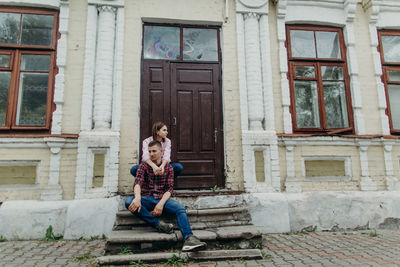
column 389, row 43
column 180, row 43
column 28, row 39
column 319, row 84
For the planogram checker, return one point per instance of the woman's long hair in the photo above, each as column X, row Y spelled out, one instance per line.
column 156, row 127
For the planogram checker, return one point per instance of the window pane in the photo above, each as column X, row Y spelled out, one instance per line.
column 302, row 43
column 332, row 73
column 37, row 29
column 4, row 61
column 335, row 105
column 161, row 42
column 4, row 84
column 200, row 44
column 391, row 48
column 305, row 71
column 35, row 62
column 394, row 99
column 32, row 98
column 306, row 96
column 328, row 45
column 394, row 75
column 9, row 28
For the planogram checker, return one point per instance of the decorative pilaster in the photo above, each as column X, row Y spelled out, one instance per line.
column 256, row 95
column 291, row 183
column 366, row 183
column 53, row 190
column 61, row 62
column 266, row 72
column 287, row 117
column 392, row 184
column 103, row 85
column 373, row 32
column 250, row 56
column 350, row 10
column 101, row 97
column 253, row 71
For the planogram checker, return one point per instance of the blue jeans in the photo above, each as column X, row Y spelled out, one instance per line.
column 171, row 206
column 178, row 168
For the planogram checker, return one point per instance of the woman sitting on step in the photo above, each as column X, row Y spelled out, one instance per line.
column 159, row 133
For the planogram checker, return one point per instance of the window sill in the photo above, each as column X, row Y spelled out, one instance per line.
column 8, row 187
column 35, row 135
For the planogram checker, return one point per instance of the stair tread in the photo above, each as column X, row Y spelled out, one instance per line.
column 150, row 235
column 200, row 255
column 191, row 212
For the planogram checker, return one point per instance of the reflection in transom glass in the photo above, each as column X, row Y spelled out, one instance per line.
column 161, row 42
column 302, row 43
column 328, row 44
column 200, row 44
column 391, row 48
column 9, row 27
column 332, row 73
column 35, row 62
column 305, row 71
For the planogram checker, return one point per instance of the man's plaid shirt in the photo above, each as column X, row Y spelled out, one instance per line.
column 152, row 184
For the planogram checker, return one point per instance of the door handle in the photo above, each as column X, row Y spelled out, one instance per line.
column 215, row 135
column 174, row 121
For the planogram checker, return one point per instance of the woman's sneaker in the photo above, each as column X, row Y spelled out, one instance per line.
column 193, row 244
column 167, row 228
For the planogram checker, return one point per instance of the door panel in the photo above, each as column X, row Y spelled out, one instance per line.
column 154, row 98
column 195, row 103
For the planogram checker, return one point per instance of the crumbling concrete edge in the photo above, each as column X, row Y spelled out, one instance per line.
column 291, row 212
column 29, row 219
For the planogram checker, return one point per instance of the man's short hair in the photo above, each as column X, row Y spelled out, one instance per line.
column 155, row 143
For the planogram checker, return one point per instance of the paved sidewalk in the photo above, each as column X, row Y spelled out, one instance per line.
column 362, row 248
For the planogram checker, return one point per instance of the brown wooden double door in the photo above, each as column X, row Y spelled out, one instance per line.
column 188, row 98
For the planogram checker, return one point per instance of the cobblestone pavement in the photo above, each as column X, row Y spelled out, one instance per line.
column 362, row 248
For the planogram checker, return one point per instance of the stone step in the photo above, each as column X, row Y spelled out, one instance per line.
column 197, row 200
column 144, row 239
column 214, row 255
column 199, row 219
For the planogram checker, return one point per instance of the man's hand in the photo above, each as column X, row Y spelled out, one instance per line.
column 158, row 210
column 136, row 205
column 157, row 170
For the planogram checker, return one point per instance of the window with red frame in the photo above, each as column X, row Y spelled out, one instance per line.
column 320, row 96
column 389, row 44
column 27, row 62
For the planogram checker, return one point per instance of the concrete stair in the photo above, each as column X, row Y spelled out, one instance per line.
column 223, row 222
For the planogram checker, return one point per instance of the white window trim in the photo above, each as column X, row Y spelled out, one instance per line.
column 384, row 15
column 339, row 13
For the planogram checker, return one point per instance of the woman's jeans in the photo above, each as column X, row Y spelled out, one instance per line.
column 171, row 206
column 178, row 168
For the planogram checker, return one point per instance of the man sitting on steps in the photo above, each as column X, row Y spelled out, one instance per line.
column 152, row 195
